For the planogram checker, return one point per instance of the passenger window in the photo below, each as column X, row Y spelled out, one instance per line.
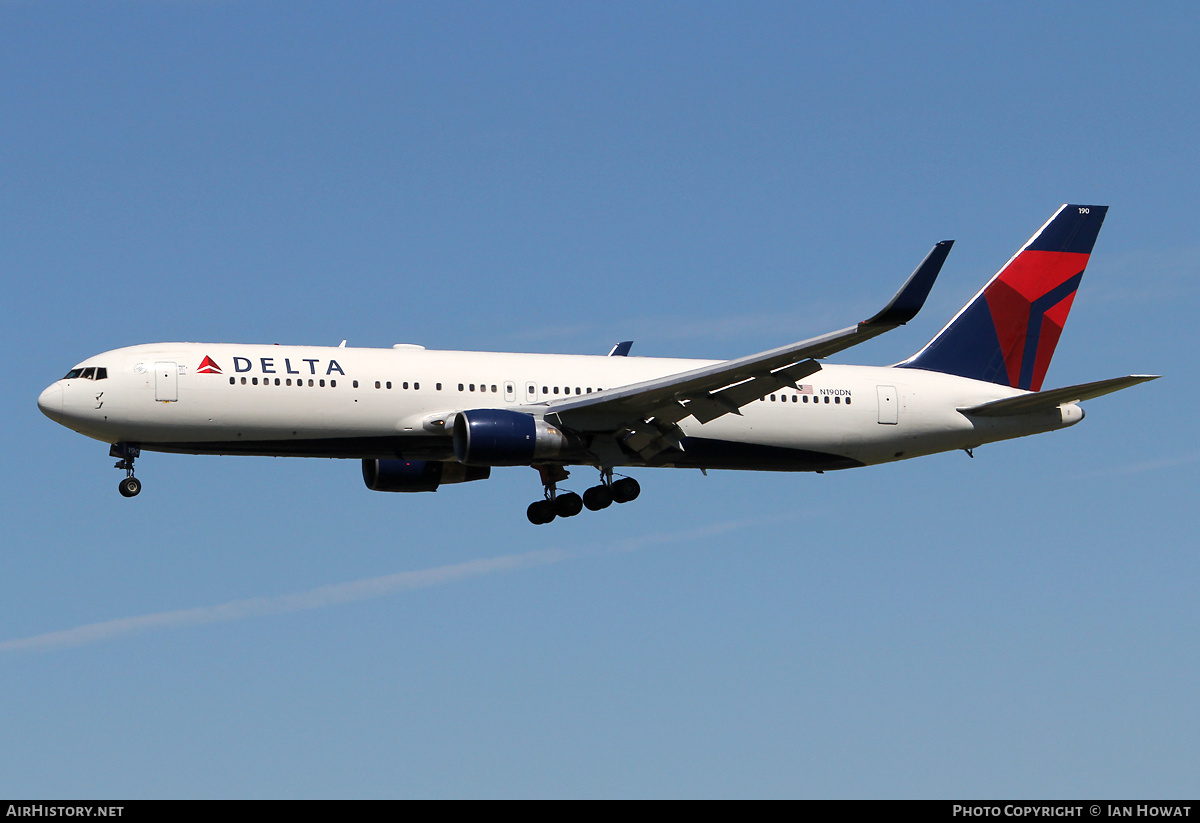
column 460, row 386
column 254, row 380
column 416, row 386
column 404, row 385
column 276, row 381
column 847, row 401
column 322, row 384
column 232, row 380
column 355, row 383
column 332, row 383
column 826, row 400
column 837, row 400
column 389, row 384
column 243, row 381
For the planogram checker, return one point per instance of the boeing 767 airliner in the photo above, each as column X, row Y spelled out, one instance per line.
column 419, row 419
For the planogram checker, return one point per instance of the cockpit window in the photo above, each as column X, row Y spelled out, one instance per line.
column 90, row 373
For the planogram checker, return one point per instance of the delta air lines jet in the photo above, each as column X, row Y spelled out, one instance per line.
column 419, row 419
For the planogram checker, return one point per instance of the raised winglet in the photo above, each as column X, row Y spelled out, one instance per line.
column 621, row 349
column 911, row 297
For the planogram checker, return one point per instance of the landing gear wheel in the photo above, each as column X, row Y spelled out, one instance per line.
column 597, row 498
column 540, row 512
column 625, row 489
column 568, row 505
column 130, row 486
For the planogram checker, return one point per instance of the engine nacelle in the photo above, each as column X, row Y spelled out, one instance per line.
column 499, row 437
column 417, row 475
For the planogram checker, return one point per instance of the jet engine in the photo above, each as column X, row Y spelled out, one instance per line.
column 417, row 475
column 498, row 437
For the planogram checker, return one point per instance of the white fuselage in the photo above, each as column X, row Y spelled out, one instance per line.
column 386, row 403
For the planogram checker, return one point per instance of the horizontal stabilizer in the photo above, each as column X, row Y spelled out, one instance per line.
column 1052, row 399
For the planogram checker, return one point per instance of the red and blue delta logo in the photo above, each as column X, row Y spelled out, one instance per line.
column 208, row 366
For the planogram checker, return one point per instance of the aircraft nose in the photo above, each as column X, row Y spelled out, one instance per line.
column 51, row 402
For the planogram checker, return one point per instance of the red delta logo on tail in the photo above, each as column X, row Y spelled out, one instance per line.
column 1029, row 302
column 208, row 366
column 1008, row 333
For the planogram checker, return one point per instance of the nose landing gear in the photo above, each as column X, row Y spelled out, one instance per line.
column 129, row 485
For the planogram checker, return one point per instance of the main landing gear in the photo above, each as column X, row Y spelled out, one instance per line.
column 570, row 504
column 130, row 485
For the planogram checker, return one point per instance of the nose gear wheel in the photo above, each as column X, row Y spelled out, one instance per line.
column 129, row 485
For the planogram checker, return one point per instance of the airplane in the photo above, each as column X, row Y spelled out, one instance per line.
column 419, row 419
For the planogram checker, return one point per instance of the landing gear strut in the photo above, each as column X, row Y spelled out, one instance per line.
column 570, row 503
column 129, row 485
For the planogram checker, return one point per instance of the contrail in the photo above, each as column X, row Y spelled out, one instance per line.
column 336, row 593
column 1148, row 465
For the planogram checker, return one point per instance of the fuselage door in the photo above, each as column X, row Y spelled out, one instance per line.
column 510, row 392
column 889, row 405
column 166, row 382
column 531, row 392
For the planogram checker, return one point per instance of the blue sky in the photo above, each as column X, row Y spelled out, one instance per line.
column 709, row 180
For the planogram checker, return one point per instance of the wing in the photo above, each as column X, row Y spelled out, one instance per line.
column 650, row 410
